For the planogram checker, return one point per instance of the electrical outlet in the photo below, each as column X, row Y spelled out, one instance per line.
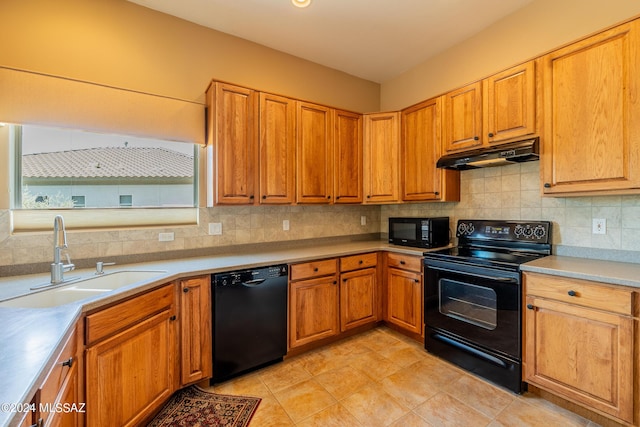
column 215, row 228
column 363, row 220
column 599, row 226
column 165, row 237
column 285, row 224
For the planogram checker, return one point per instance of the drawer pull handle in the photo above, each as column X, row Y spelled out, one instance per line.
column 68, row 362
column 530, row 306
column 402, row 263
column 572, row 293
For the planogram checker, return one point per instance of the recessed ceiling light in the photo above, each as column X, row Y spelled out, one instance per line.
column 301, row 3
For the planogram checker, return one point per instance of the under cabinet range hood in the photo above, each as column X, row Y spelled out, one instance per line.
column 516, row 152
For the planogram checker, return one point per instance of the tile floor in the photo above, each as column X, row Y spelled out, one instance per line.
column 381, row 378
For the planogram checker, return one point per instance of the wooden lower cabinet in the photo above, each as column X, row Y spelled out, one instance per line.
column 359, row 294
column 132, row 371
column 577, row 348
column 195, row 329
column 313, row 310
column 404, row 299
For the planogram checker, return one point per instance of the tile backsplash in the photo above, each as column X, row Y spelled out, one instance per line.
column 507, row 192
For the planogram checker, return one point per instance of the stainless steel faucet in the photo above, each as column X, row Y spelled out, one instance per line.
column 59, row 244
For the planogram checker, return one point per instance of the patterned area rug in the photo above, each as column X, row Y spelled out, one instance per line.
column 194, row 407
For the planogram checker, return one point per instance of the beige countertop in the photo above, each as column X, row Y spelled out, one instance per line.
column 31, row 337
column 615, row 273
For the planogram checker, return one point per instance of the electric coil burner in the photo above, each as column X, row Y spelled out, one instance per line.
column 473, row 296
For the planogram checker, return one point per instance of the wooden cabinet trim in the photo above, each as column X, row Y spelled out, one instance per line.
column 196, row 351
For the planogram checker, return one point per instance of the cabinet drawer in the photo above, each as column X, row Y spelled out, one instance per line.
column 319, row 268
column 581, row 292
column 355, row 262
column 59, row 372
column 105, row 322
column 404, row 262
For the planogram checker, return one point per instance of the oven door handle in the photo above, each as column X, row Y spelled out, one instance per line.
column 482, row 276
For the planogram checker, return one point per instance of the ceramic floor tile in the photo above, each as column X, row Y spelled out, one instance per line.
column 283, row 375
column 343, row 381
column 270, row 414
column 374, row 365
column 536, row 400
column 325, row 360
column 409, row 386
column 304, row 399
column 443, row 410
column 480, row 395
column 373, row 406
column 522, row 414
column 411, row 420
column 437, row 372
column 334, row 416
column 246, row 385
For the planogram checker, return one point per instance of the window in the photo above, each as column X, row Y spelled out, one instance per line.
column 62, row 168
column 78, row 201
column 126, row 201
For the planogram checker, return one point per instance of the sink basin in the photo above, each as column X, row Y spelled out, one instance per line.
column 80, row 289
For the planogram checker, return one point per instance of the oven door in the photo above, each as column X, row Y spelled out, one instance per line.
column 479, row 305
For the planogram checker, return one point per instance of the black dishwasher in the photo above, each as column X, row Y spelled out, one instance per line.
column 249, row 320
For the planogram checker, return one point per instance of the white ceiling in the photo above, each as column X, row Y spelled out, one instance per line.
column 373, row 39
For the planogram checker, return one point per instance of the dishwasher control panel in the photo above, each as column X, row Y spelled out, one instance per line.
column 250, row 275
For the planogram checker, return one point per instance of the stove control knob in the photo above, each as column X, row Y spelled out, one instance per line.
column 518, row 230
column 539, row 232
column 528, row 231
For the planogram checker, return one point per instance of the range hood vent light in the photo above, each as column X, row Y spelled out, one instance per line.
column 516, row 152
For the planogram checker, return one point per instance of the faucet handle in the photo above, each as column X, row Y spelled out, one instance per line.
column 100, row 265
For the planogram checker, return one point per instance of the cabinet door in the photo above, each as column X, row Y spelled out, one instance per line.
column 131, row 374
column 347, row 153
column 314, row 173
column 420, row 150
column 462, row 119
column 313, row 310
column 510, row 103
column 277, row 149
column 234, row 134
column 582, row 354
column 381, row 157
column 358, row 298
column 592, row 109
column 68, row 397
column 195, row 329
column 404, row 299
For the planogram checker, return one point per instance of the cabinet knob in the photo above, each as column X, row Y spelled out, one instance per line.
column 437, row 193
column 547, row 185
column 185, row 290
column 264, row 197
column 335, row 282
column 68, row 362
column 251, row 197
column 572, row 293
column 172, row 318
column 476, row 138
column 344, row 280
column 530, row 306
column 328, row 197
column 402, row 263
column 361, row 262
column 337, row 197
column 416, row 280
column 490, row 134
column 315, row 270
column 368, row 197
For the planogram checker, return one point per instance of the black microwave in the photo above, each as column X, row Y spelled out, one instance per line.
column 419, row 232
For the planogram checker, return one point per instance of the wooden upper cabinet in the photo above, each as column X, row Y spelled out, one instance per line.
column 314, row 173
column 381, row 157
column 233, row 130
column 592, row 114
column 510, row 103
column 277, row 149
column 420, row 144
column 462, row 121
column 495, row 110
column 347, row 149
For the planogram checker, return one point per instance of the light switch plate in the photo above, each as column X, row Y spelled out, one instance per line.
column 285, row 225
column 363, row 220
column 165, row 237
column 215, row 228
column 599, row 226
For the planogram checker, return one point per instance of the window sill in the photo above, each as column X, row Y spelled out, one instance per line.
column 23, row 220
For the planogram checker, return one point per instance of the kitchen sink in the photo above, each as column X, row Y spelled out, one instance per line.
column 81, row 289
